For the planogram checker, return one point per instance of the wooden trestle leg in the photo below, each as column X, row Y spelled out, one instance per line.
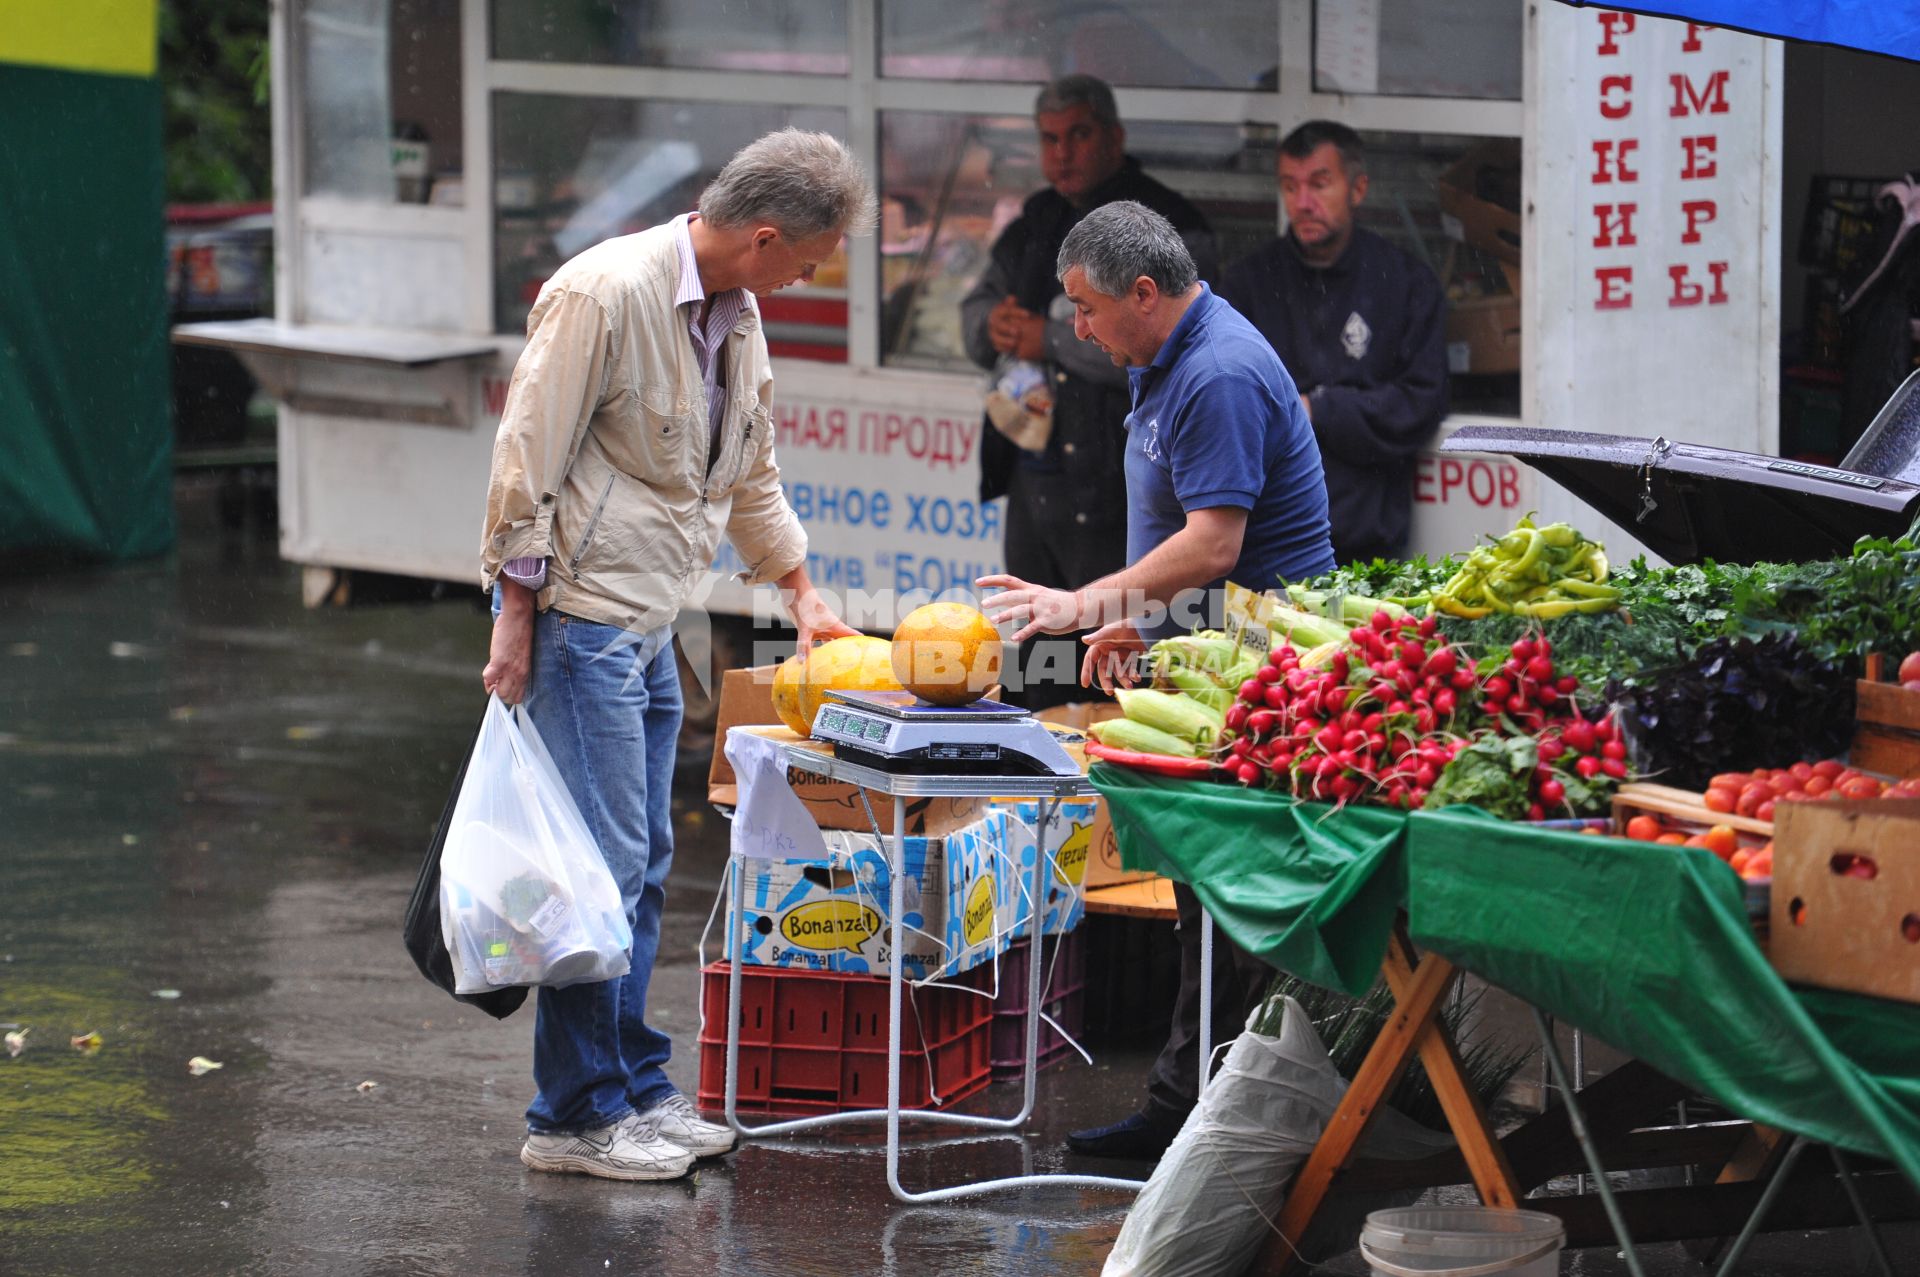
column 1419, row 985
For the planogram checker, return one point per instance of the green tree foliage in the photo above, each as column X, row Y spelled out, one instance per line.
column 213, row 73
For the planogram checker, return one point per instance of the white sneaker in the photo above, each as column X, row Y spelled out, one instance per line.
column 619, row 1151
column 674, row 1119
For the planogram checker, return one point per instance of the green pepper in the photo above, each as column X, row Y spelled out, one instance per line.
column 1454, row 607
column 1562, row 535
column 1548, row 609
column 1586, row 589
column 1531, row 554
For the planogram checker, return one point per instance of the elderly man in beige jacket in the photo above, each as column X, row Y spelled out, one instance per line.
column 636, row 434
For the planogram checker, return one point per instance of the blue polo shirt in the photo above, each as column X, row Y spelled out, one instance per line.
column 1216, row 421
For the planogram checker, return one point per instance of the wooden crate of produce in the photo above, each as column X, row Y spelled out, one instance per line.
column 1682, row 810
column 1846, row 896
column 1887, row 736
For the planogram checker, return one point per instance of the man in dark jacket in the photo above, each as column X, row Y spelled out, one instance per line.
column 1358, row 323
column 1066, row 504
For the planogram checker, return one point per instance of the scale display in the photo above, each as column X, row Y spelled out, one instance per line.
column 895, row 731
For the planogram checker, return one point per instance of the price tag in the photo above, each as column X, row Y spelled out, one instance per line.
column 1247, row 619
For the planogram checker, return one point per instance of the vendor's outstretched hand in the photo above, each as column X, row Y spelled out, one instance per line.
column 1035, row 608
column 1112, row 656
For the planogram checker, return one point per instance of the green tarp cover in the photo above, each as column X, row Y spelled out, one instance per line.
column 1311, row 895
column 85, row 411
column 1650, row 948
column 1647, row 947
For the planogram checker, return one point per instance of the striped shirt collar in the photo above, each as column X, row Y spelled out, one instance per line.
column 691, row 289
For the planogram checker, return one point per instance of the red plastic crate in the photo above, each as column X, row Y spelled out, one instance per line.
column 816, row 1042
column 1063, row 996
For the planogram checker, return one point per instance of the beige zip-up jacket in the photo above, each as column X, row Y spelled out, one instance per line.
column 602, row 466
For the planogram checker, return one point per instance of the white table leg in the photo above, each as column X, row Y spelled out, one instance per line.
column 896, row 859
column 1206, row 998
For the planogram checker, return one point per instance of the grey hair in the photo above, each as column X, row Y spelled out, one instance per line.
column 1080, row 90
column 806, row 184
column 1117, row 243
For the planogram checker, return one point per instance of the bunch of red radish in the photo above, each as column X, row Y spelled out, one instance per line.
column 1383, row 718
column 1375, row 723
column 1591, row 748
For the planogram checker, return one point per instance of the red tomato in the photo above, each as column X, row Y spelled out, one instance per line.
column 1782, row 783
column 1801, row 771
column 1819, row 785
column 1764, row 811
column 1910, row 668
column 1720, row 798
column 1828, row 767
column 1736, row 781
column 1860, row 787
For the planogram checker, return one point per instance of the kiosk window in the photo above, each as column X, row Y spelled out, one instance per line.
column 795, row 36
column 1159, row 43
column 572, row 171
column 951, row 183
column 1419, row 48
column 380, row 88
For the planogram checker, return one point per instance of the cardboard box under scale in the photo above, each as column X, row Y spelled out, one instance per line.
column 1102, row 848
column 833, row 913
column 1070, row 832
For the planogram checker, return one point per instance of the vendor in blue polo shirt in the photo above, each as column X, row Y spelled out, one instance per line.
column 1223, row 482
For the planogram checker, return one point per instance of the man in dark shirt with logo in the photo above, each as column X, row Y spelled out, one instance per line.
column 1358, row 323
column 1066, row 503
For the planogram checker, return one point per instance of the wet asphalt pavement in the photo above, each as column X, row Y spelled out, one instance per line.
column 213, row 803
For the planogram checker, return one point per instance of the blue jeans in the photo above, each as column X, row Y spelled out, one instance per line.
column 607, row 705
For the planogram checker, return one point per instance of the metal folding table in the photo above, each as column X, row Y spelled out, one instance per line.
column 1049, row 790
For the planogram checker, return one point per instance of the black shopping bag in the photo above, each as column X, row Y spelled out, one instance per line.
column 421, row 931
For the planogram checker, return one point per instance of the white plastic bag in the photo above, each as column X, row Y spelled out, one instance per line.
column 525, row 897
column 1255, row 1125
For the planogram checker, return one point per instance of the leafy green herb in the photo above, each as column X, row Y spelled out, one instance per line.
column 1840, row 608
column 1494, row 773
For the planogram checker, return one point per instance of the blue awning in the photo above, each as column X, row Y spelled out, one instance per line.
column 1877, row 26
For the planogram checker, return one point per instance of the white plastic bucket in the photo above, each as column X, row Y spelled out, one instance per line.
column 1462, row 1241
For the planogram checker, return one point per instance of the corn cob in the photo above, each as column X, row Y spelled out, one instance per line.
column 1177, row 716
column 1124, row 733
column 1201, row 688
column 1352, row 609
column 1304, row 629
column 1207, row 651
column 1238, row 674
column 1321, row 657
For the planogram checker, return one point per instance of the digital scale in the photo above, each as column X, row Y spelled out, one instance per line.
column 899, row 732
